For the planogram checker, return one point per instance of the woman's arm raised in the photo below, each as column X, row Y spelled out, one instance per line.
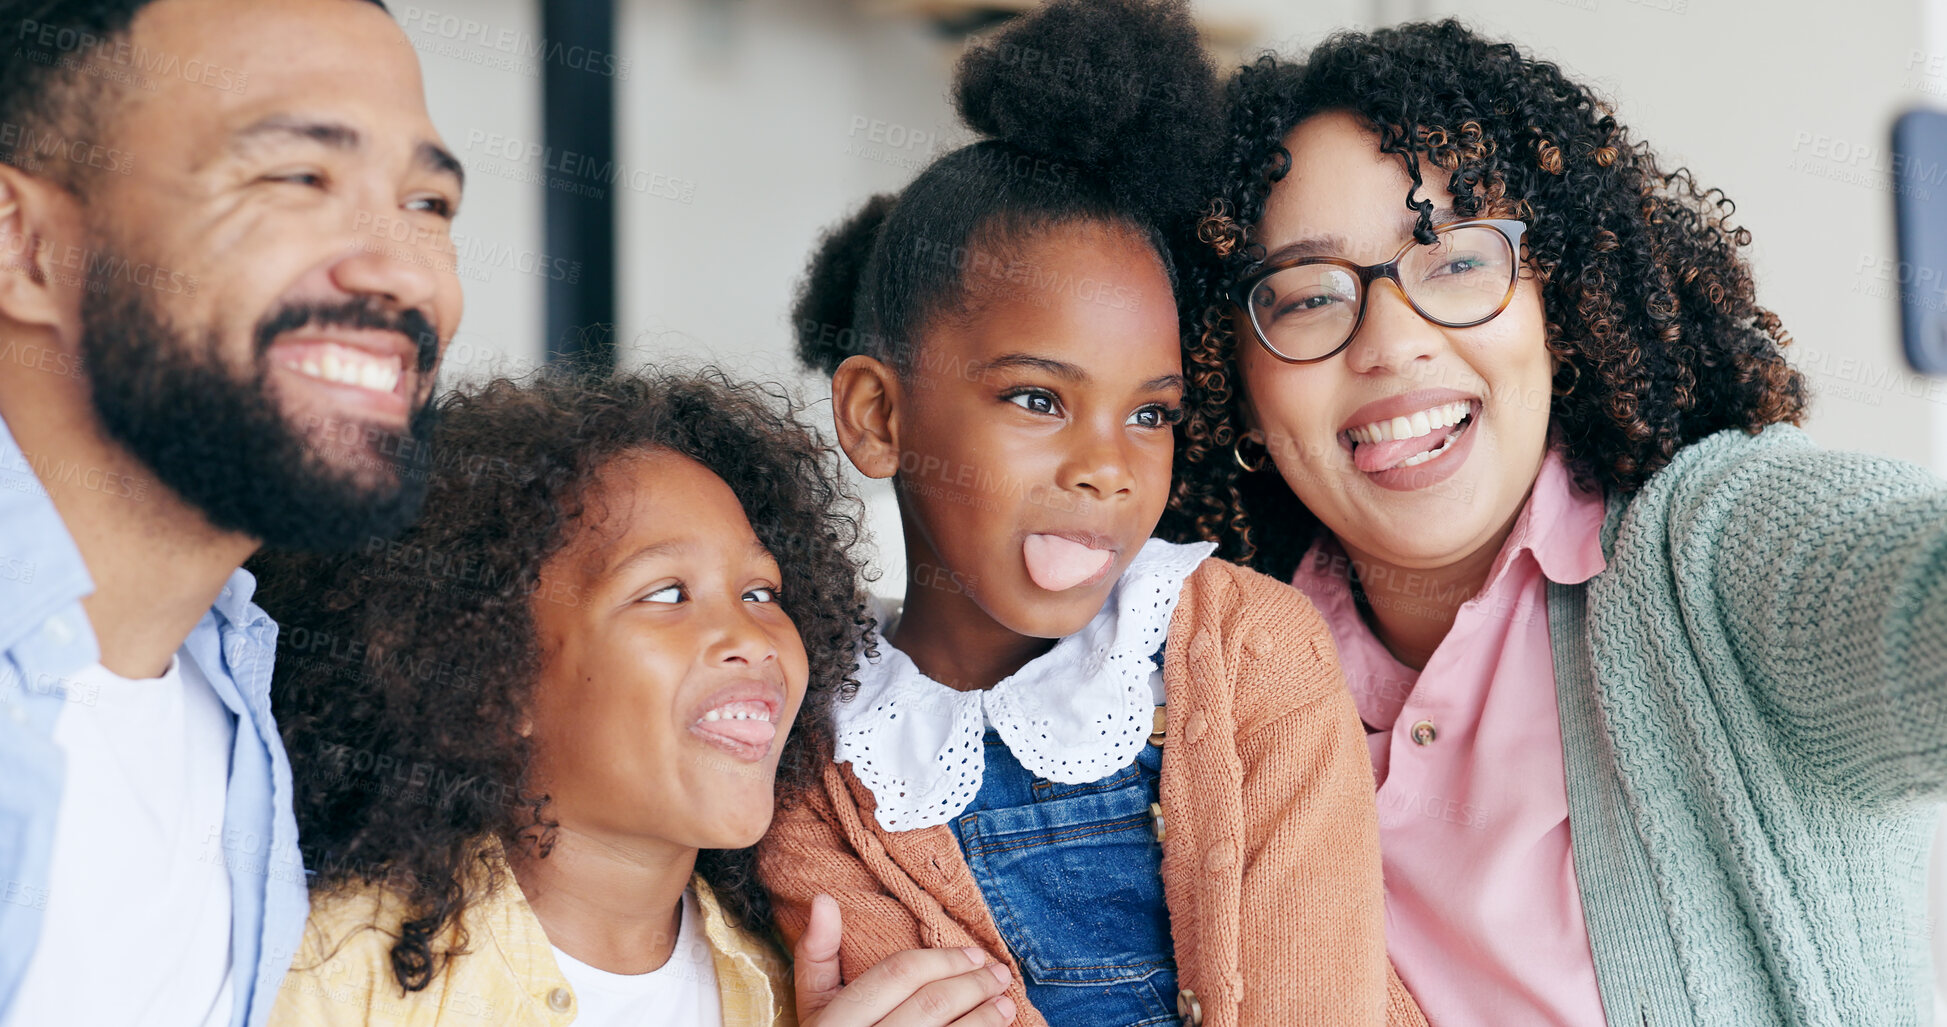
column 1817, row 580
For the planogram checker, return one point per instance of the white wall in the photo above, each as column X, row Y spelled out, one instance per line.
column 764, row 112
column 481, row 89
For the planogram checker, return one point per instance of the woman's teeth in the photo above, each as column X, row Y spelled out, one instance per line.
column 1423, row 422
column 1413, row 461
column 343, row 365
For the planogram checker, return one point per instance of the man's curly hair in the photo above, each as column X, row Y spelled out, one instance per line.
column 1650, row 306
column 404, row 669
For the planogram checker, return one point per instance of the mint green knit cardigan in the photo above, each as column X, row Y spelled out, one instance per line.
column 1753, row 699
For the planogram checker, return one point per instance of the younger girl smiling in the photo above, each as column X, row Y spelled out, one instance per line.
column 533, row 741
column 1128, row 770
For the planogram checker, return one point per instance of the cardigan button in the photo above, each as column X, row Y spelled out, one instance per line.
column 1188, row 1008
column 561, row 1000
column 1424, row 733
column 1156, row 816
column 1193, row 727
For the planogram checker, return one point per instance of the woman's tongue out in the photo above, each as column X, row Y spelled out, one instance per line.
column 1381, row 456
column 1058, row 564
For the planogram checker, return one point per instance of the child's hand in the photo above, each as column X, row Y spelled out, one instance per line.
column 914, row 988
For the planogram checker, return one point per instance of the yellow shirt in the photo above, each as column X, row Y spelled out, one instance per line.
column 342, row 974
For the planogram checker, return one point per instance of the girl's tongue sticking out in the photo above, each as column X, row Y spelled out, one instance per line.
column 1058, row 564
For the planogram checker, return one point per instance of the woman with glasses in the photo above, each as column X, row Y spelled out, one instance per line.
column 1655, row 689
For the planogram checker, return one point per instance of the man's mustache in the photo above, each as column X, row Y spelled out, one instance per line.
column 366, row 312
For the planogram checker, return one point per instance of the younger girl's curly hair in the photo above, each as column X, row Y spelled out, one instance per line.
column 1649, row 304
column 404, row 669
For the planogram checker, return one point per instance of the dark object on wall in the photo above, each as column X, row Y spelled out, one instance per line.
column 578, row 117
column 1920, row 213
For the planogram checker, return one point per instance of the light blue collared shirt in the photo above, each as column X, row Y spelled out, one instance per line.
column 45, row 637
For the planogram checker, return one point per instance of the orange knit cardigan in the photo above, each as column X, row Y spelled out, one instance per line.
column 1270, row 856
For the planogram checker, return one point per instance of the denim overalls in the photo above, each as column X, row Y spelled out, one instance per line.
column 1072, row 874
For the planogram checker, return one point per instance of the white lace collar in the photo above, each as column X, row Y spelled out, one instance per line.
column 1076, row 713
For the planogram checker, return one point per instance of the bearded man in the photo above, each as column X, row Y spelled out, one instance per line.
column 226, row 277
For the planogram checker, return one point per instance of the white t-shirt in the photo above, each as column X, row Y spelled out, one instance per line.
column 137, row 926
column 680, row 993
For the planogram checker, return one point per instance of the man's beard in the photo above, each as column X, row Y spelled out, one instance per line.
column 226, row 447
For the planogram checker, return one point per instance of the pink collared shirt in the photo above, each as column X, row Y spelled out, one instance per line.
column 1483, row 914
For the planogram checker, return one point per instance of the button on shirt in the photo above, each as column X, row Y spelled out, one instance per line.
column 46, row 642
column 1483, row 914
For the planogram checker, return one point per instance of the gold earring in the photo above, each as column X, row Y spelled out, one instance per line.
column 1237, row 454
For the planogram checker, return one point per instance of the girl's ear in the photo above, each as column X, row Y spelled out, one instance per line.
column 865, row 403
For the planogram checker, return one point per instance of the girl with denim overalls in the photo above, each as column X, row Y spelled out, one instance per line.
column 1126, row 769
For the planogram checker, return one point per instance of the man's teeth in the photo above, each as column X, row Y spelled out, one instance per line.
column 763, row 715
column 343, row 365
column 1412, row 427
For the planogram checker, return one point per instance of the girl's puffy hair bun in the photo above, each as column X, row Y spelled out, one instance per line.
column 1120, row 86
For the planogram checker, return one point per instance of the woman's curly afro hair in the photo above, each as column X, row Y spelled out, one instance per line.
column 1650, row 307
column 404, row 669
